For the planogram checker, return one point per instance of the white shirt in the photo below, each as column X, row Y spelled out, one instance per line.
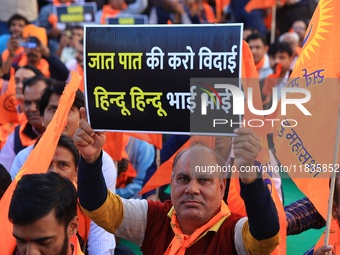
column 7, row 153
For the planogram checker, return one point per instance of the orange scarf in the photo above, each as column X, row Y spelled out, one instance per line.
column 43, row 65
column 108, row 12
column 76, row 246
column 271, row 81
column 181, row 242
column 260, row 64
column 25, row 140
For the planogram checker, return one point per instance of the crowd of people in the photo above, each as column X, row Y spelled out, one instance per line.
column 86, row 202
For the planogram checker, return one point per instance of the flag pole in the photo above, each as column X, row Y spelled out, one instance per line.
column 273, row 25
column 333, row 178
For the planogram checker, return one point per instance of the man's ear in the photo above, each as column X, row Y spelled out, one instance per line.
column 73, row 226
column 223, row 186
column 42, row 121
column 334, row 210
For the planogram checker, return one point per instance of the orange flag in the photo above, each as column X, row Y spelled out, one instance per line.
column 117, row 141
column 235, row 202
column 303, row 141
column 115, row 145
column 220, row 5
column 38, row 32
column 8, row 104
column 38, row 161
column 154, row 139
column 259, row 4
column 9, row 117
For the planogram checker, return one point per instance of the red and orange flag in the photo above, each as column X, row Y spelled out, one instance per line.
column 36, row 163
column 302, row 142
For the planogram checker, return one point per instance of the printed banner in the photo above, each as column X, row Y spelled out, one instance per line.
column 76, row 13
column 162, row 79
column 128, row 20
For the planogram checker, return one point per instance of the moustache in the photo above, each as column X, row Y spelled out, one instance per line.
column 191, row 199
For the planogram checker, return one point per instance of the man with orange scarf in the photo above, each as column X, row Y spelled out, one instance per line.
column 196, row 220
column 283, row 59
column 259, row 48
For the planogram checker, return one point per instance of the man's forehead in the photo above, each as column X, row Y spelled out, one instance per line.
column 299, row 23
column 256, row 41
column 197, row 174
column 54, row 99
column 77, row 31
column 42, row 227
column 195, row 158
column 17, row 21
column 197, row 155
column 63, row 153
column 282, row 54
column 24, row 73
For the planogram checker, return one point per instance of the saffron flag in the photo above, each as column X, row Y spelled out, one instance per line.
column 235, row 202
column 259, row 4
column 38, row 161
column 8, row 104
column 305, row 143
column 38, row 32
column 115, row 145
column 154, row 139
column 220, row 6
